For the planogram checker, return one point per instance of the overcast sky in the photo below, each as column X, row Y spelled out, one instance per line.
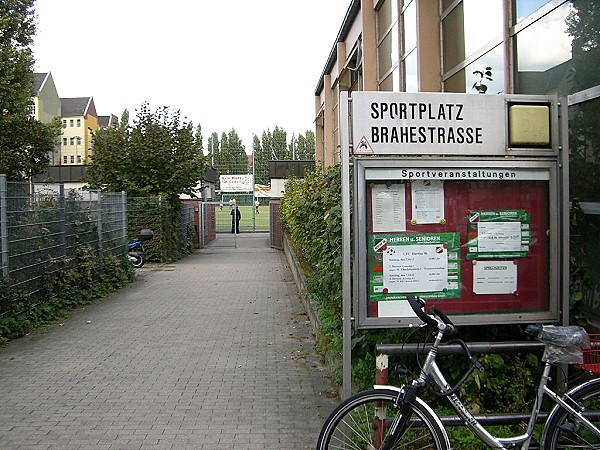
column 247, row 65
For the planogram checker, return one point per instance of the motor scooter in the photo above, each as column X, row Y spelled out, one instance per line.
column 135, row 248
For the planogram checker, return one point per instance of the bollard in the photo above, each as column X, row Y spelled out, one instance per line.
column 382, row 362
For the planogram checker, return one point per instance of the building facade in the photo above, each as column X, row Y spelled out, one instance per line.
column 79, row 121
column 464, row 46
column 45, row 105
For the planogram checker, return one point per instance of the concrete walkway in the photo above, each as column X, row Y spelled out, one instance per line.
column 212, row 352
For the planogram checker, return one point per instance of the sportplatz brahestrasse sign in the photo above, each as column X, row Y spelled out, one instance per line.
column 428, row 123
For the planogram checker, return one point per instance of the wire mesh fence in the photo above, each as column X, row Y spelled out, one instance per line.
column 42, row 228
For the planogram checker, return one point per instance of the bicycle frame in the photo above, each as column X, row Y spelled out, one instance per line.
column 431, row 371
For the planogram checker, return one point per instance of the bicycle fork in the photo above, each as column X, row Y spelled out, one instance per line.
column 398, row 425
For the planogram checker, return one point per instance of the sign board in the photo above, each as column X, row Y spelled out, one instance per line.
column 236, row 183
column 472, row 237
column 385, row 123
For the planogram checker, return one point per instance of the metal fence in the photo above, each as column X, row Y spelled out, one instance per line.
column 41, row 227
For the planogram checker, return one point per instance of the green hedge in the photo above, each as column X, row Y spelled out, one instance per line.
column 79, row 280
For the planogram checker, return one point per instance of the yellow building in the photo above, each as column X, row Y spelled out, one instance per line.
column 467, row 46
column 79, row 121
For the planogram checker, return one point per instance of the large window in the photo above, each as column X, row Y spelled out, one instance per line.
column 397, row 45
column 409, row 46
column 472, row 41
column 543, row 51
column 388, row 48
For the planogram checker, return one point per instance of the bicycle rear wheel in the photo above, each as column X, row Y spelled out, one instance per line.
column 363, row 420
column 564, row 431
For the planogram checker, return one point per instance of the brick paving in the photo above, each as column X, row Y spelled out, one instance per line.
column 211, row 352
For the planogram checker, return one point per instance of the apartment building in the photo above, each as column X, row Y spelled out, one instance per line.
column 529, row 46
column 79, row 121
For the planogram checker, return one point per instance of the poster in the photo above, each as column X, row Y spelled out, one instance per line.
column 424, row 264
column 427, row 201
column 494, row 277
column 498, row 234
column 389, row 208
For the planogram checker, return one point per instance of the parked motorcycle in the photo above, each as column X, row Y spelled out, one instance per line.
column 135, row 248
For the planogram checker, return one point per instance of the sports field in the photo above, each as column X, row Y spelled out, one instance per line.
column 249, row 222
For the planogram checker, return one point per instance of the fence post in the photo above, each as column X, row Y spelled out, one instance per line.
column 62, row 219
column 99, row 221
column 4, row 225
column 124, row 217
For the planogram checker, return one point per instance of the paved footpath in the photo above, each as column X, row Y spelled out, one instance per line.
column 211, row 352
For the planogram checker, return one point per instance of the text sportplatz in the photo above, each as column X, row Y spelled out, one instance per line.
column 448, row 131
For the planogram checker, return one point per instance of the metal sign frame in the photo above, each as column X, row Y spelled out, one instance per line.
column 552, row 158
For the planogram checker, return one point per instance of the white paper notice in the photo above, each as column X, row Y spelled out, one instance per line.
column 494, row 237
column 415, row 268
column 389, row 208
column 427, row 201
column 494, row 277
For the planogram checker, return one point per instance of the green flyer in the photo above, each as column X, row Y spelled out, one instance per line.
column 498, row 234
column 425, row 264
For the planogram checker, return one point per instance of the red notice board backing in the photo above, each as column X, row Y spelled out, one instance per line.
column 475, row 240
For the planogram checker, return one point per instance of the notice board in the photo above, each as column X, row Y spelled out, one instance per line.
column 475, row 238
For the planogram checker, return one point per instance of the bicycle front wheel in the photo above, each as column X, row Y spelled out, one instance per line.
column 564, row 431
column 363, row 421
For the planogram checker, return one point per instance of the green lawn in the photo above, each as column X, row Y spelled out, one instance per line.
column 258, row 222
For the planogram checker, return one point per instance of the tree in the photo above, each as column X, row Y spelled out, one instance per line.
column 159, row 154
column 16, row 57
column 24, row 145
column 306, row 146
column 24, row 142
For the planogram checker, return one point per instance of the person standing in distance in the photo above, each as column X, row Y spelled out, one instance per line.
column 236, row 216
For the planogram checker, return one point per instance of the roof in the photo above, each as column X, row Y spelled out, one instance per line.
column 38, row 81
column 78, row 106
column 108, row 121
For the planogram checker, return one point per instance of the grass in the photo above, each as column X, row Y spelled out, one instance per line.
column 249, row 222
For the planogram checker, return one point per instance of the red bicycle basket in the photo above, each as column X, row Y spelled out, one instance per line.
column 591, row 356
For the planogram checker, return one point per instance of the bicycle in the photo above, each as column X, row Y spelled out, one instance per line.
column 388, row 417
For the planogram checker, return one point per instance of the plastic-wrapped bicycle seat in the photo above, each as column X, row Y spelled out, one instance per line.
column 563, row 344
column 568, row 336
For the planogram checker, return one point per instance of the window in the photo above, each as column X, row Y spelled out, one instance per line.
column 72, row 141
column 72, row 159
column 71, row 123
column 469, row 47
column 64, row 141
column 65, row 159
column 464, row 79
column 64, row 123
column 461, row 35
column 78, row 123
column 388, row 45
column 526, row 7
column 543, row 54
column 78, row 140
column 409, row 47
column 78, row 159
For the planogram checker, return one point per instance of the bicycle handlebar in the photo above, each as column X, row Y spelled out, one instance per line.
column 417, row 306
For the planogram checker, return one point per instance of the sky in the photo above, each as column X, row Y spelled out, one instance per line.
column 241, row 64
